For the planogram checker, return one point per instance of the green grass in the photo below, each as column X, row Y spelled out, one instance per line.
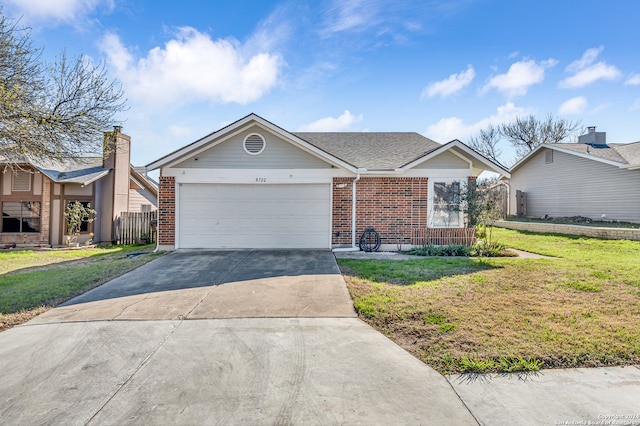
column 579, row 308
column 30, row 280
column 597, row 223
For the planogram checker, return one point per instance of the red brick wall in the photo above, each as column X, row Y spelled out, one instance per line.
column 341, row 214
column 167, row 210
column 393, row 206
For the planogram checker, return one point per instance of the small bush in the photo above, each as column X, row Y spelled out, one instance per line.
column 488, row 249
column 451, row 250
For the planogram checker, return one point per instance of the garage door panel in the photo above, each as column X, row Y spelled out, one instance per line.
column 254, row 216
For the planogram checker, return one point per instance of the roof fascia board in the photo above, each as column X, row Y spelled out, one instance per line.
column 185, row 150
column 456, row 143
column 100, row 176
column 225, row 133
column 142, row 180
column 567, row 151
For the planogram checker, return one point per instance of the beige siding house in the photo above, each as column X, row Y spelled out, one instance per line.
column 590, row 178
column 34, row 195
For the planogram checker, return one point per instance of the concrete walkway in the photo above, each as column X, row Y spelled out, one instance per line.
column 255, row 338
column 194, row 338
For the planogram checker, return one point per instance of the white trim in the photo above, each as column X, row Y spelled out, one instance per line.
column 255, row 175
column 176, row 215
column 244, row 144
column 490, row 165
column 567, row 151
column 235, row 128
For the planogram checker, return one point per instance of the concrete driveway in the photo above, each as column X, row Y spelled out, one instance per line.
column 245, row 337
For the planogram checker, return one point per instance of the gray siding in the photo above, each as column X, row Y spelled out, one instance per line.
column 230, row 154
column 572, row 186
column 446, row 160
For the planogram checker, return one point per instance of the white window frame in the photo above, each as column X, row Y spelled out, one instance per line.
column 431, row 222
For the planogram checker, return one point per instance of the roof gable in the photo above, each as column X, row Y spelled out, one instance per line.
column 223, row 134
column 278, row 153
column 620, row 155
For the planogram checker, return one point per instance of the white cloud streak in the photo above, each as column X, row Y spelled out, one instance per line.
column 633, row 80
column 332, row 124
column 193, row 67
column 586, row 72
column 451, row 85
column 520, row 76
column 573, row 106
column 58, row 11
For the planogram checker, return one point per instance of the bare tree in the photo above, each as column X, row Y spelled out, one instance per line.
column 486, row 143
column 526, row 133
column 51, row 110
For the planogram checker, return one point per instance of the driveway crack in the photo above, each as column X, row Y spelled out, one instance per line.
column 219, row 282
column 143, row 364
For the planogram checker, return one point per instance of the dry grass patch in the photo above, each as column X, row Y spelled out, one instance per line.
column 581, row 309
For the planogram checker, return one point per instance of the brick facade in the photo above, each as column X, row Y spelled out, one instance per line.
column 393, row 206
column 167, row 210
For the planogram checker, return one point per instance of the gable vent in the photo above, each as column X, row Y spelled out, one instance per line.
column 21, row 181
column 254, row 144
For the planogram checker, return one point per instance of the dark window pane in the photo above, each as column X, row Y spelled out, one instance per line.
column 21, row 216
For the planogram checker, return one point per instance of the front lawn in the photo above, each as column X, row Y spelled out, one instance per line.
column 33, row 281
column 578, row 309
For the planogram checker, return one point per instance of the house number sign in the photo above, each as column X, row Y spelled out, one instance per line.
column 261, row 180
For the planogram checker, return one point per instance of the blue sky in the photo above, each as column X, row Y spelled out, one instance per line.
column 443, row 68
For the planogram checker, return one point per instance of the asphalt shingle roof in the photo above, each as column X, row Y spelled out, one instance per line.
column 72, row 170
column 620, row 153
column 372, row 150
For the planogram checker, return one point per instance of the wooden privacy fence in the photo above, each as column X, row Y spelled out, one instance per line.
column 444, row 236
column 133, row 227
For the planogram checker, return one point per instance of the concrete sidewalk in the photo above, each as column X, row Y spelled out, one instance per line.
column 245, row 337
column 299, row 371
column 580, row 396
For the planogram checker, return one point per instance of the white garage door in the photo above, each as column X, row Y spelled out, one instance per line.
column 254, row 216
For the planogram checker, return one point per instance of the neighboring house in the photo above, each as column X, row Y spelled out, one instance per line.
column 590, row 178
column 253, row 184
column 34, row 195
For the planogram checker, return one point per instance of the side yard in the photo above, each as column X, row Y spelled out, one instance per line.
column 580, row 308
column 32, row 282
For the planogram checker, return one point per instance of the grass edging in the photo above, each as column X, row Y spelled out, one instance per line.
column 34, row 282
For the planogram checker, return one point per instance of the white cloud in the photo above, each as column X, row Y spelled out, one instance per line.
column 588, row 58
column 633, row 80
column 635, row 105
column 350, row 15
column 586, row 72
column 193, row 67
column 451, row 128
column 520, row 76
column 55, row 11
column 573, row 106
column 331, row 124
column 451, row 85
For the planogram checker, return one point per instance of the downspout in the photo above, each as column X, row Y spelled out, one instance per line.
column 353, row 247
column 353, row 210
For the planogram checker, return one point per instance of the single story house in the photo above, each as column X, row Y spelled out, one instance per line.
column 34, row 194
column 253, row 184
column 590, row 178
